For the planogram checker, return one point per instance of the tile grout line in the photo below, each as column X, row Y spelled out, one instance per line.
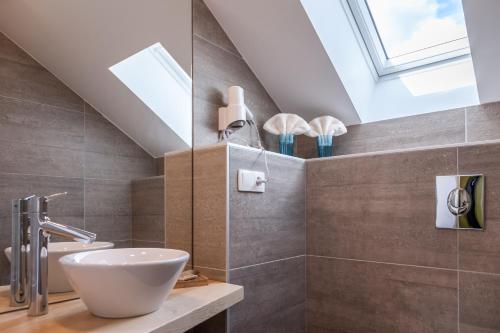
column 403, row 150
column 382, row 262
column 212, row 268
column 265, row 263
column 406, row 265
column 60, row 108
column 84, row 169
column 145, row 240
column 35, row 175
column 217, row 46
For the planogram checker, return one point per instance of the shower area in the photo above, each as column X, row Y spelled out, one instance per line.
column 347, row 244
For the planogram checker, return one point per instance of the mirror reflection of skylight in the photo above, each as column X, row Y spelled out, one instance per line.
column 159, row 81
column 404, row 34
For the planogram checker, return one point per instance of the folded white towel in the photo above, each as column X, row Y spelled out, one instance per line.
column 326, row 125
column 286, row 123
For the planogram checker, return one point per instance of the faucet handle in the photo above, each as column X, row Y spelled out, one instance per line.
column 54, row 196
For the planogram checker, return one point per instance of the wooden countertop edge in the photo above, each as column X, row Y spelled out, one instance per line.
column 201, row 314
column 182, row 310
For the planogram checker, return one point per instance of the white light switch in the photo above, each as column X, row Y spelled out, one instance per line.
column 251, row 181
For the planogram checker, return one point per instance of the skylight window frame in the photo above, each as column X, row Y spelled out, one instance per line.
column 415, row 60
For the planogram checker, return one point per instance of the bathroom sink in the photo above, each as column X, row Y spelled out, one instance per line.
column 58, row 283
column 119, row 283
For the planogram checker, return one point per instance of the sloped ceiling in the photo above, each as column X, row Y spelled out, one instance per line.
column 282, row 48
column 483, row 28
column 301, row 53
column 79, row 40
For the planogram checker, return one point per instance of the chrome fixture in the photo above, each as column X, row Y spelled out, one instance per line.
column 31, row 230
column 460, row 202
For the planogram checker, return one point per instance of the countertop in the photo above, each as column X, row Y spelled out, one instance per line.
column 183, row 309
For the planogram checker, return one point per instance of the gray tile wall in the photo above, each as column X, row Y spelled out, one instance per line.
column 217, row 65
column 274, row 297
column 210, row 205
column 52, row 141
column 267, row 226
column 148, row 212
column 252, row 239
column 465, row 125
column 267, row 244
column 375, row 261
column 178, row 203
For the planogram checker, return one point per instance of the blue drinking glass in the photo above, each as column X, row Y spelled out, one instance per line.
column 324, row 143
column 287, row 144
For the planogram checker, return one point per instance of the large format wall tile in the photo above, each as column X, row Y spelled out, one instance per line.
column 40, row 124
column 216, row 70
column 147, row 196
column 479, row 303
column 110, row 227
column 480, row 251
column 160, row 166
column 20, row 186
column 380, row 207
column 355, row 296
column 148, row 221
column 149, row 228
column 10, row 51
column 106, row 166
column 210, row 204
column 437, row 128
column 271, row 225
column 431, row 129
column 179, row 200
column 101, row 136
column 483, row 122
column 107, row 198
column 274, row 297
column 205, row 121
column 205, row 25
column 33, row 82
column 25, row 158
column 147, row 244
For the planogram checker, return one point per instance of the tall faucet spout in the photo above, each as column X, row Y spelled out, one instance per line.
column 67, row 231
column 31, row 226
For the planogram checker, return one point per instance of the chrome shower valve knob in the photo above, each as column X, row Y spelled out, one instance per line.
column 459, row 201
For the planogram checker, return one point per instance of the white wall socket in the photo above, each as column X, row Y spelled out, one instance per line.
column 251, row 181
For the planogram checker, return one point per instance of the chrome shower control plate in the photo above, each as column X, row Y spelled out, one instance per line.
column 460, row 202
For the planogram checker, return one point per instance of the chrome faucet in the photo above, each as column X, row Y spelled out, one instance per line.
column 31, row 230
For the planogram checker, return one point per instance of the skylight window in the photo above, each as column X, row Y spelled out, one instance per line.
column 402, row 35
column 159, row 81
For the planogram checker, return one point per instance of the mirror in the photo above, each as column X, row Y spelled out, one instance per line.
column 97, row 105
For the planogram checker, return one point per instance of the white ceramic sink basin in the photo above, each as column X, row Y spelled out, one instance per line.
column 58, row 283
column 119, row 283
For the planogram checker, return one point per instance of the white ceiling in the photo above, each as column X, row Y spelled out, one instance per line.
column 79, row 40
